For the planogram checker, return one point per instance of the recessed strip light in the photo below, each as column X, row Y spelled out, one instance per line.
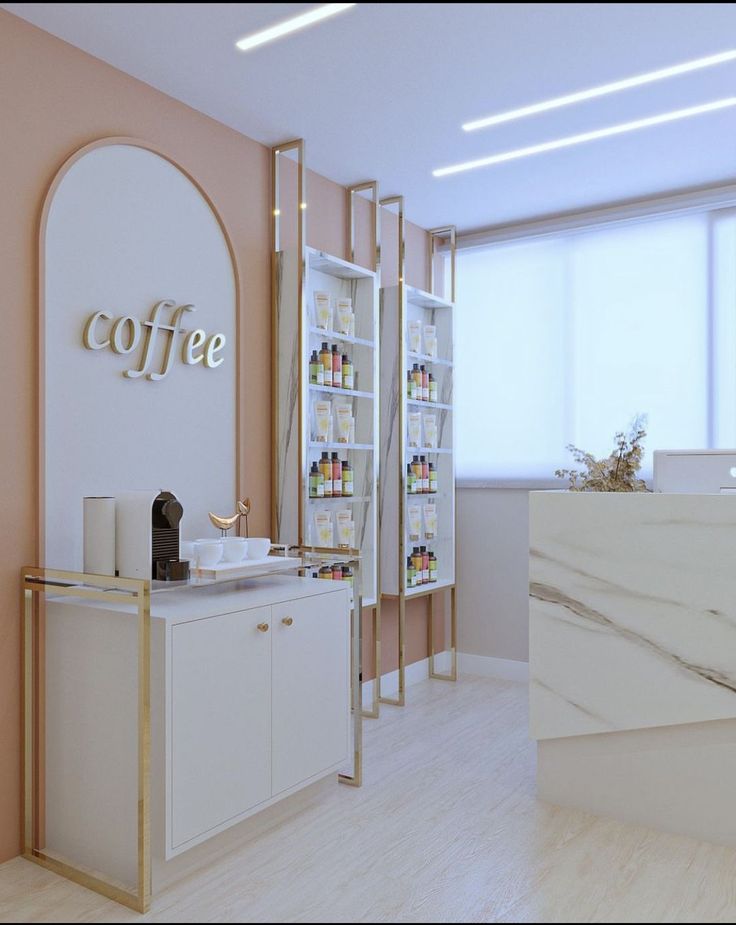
column 291, row 25
column 614, row 87
column 587, row 136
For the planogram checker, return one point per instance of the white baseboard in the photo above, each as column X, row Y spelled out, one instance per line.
column 413, row 674
column 486, row 666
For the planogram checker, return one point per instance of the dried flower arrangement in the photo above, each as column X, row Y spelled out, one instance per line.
column 617, row 472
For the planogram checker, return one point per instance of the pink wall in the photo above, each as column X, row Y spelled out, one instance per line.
column 57, row 99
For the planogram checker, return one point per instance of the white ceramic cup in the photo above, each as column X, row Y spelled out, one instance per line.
column 207, row 552
column 258, row 547
column 235, row 548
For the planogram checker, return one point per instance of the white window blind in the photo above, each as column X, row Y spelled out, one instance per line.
column 565, row 339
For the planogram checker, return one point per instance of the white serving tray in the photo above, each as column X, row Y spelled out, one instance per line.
column 248, row 568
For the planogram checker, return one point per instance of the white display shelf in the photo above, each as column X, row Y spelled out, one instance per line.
column 367, row 447
column 426, row 450
column 432, row 586
column 348, row 393
column 294, row 510
column 426, row 404
column 426, row 358
column 336, row 266
column 344, row 499
column 423, row 299
column 325, row 334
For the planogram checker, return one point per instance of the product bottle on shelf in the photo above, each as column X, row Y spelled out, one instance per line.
column 432, row 388
column 336, row 476
column 347, row 479
column 411, row 573
column 432, row 567
column 416, row 466
column 347, row 574
column 347, row 372
column 325, row 466
column 416, row 558
column 410, row 480
column 411, row 386
column 417, row 376
column 316, row 370
column 326, row 359
column 425, row 564
column 336, row 368
column 316, row 482
column 425, row 383
column 425, row 474
column 432, row 479
column 337, row 572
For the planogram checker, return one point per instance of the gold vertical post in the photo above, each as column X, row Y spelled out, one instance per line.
column 277, row 151
column 144, row 745
column 36, row 580
column 451, row 675
column 445, row 237
column 400, row 700
column 28, row 724
column 371, row 186
column 356, row 694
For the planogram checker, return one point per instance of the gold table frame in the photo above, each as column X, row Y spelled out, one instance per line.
column 37, row 581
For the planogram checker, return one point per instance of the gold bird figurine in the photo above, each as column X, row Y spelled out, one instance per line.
column 224, row 523
column 244, row 508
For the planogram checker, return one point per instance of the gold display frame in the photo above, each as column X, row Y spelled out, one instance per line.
column 438, row 238
column 36, row 581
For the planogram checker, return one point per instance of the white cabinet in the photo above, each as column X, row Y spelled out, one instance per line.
column 220, row 720
column 311, row 685
column 259, row 704
column 240, row 715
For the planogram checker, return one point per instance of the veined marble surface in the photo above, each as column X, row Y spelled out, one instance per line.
column 632, row 611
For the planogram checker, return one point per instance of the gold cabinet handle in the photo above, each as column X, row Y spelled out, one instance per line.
column 263, row 627
column 287, row 621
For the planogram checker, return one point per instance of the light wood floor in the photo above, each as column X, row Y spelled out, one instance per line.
column 446, row 828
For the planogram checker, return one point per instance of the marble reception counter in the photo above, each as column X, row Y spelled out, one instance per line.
column 632, row 623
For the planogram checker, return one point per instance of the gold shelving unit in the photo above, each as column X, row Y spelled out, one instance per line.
column 298, row 271
column 400, row 304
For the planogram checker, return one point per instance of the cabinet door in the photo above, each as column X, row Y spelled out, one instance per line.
column 311, row 687
column 220, row 720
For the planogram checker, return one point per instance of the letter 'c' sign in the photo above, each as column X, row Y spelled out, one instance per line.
column 123, row 335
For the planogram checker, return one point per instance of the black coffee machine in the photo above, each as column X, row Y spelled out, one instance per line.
column 166, row 514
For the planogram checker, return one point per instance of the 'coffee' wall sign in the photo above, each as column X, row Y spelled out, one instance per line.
column 124, row 335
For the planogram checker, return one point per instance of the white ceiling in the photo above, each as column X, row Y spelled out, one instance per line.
column 381, row 90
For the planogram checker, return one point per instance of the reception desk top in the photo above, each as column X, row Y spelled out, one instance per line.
column 632, row 611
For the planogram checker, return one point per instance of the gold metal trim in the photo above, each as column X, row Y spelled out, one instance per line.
column 301, row 243
column 441, row 238
column 372, row 187
column 452, row 674
column 400, row 700
column 35, row 581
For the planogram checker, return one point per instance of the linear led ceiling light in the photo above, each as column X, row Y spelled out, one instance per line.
column 614, row 87
column 586, row 136
column 291, row 25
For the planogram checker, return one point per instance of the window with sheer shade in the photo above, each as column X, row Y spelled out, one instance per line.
column 564, row 339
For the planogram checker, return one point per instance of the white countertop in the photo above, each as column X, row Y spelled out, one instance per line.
column 194, row 602
column 632, row 615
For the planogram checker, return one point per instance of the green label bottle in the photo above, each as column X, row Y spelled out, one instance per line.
column 316, row 370
column 316, row 482
column 411, row 573
column 347, row 479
